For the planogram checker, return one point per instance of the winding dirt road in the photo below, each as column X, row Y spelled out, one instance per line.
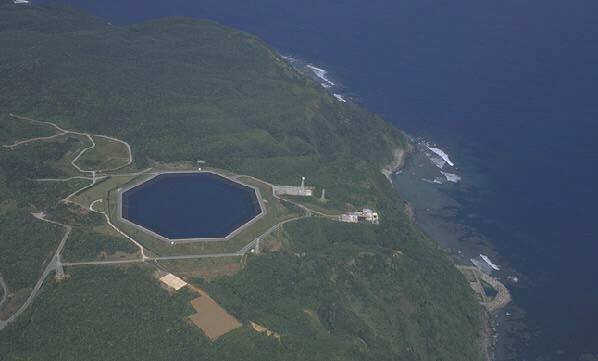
column 55, row 265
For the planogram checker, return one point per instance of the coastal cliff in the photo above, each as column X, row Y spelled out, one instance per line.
column 399, row 157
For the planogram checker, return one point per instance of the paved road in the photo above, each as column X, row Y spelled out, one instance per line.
column 51, row 267
column 56, row 264
column 4, row 291
column 99, row 263
column 16, row 144
column 89, row 136
column 256, row 241
column 240, row 252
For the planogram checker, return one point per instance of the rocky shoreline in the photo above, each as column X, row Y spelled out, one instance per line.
column 399, row 157
column 486, row 340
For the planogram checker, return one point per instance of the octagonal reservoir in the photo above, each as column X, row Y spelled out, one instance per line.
column 185, row 206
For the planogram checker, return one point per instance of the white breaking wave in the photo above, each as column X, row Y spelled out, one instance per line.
column 451, row 177
column 442, row 155
column 490, row 263
column 340, row 98
column 436, row 180
column 439, row 162
column 321, row 74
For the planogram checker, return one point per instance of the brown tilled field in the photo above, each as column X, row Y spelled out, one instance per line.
column 212, row 319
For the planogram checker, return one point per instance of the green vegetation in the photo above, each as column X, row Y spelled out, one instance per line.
column 19, row 167
column 107, row 154
column 100, row 190
column 121, row 307
column 117, row 313
column 12, row 130
column 181, row 90
column 25, row 243
column 205, row 268
column 378, row 303
column 90, row 244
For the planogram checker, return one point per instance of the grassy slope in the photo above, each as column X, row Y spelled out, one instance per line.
column 180, row 89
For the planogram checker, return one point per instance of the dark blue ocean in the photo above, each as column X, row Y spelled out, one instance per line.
column 508, row 89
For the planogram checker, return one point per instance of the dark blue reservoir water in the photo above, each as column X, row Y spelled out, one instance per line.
column 509, row 89
column 190, row 205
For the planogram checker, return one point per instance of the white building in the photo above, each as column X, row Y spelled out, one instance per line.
column 301, row 191
column 349, row 218
column 366, row 216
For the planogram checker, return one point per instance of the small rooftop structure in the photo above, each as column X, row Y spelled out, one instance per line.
column 365, row 216
column 301, row 191
column 349, row 218
column 173, row 281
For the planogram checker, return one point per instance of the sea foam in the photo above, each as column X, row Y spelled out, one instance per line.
column 451, row 177
column 321, row 74
column 436, row 180
column 340, row 98
column 439, row 152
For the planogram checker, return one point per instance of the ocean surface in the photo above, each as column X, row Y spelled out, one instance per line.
column 190, row 205
column 507, row 90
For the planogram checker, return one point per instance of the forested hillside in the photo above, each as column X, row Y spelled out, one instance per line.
column 184, row 90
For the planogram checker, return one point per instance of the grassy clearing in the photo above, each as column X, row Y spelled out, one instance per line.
column 101, row 190
column 107, row 154
column 107, row 189
column 277, row 241
column 205, row 268
column 328, row 208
